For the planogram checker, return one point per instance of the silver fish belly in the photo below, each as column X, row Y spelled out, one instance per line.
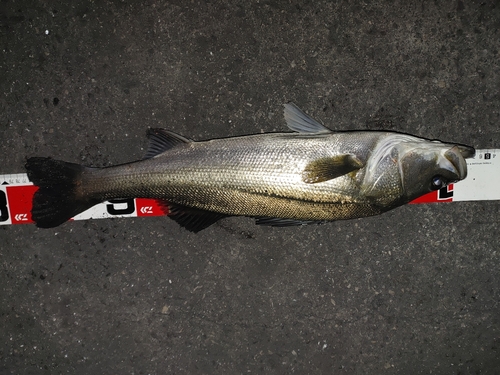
column 310, row 175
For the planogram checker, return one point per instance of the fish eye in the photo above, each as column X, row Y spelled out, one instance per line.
column 437, row 182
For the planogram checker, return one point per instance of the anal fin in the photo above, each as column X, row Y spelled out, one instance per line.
column 192, row 219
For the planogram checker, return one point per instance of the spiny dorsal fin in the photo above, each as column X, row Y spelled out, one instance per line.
column 328, row 168
column 161, row 140
column 300, row 122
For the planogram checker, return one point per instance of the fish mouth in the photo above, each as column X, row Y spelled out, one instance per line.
column 466, row 151
column 456, row 156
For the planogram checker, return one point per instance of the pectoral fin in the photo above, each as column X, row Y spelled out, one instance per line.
column 328, row 168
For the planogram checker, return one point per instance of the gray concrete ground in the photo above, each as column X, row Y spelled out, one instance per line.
column 414, row 291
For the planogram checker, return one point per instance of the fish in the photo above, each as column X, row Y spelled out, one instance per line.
column 310, row 174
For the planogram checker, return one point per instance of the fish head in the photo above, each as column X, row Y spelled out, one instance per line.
column 403, row 168
column 431, row 166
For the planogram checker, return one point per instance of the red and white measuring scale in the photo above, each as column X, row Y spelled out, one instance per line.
column 16, row 193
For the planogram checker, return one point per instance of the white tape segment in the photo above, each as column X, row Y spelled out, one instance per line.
column 16, row 193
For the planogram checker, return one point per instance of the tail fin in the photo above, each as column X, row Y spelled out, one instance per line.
column 56, row 200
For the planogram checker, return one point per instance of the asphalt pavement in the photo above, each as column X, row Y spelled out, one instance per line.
column 413, row 291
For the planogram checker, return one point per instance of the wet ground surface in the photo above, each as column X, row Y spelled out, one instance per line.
column 415, row 290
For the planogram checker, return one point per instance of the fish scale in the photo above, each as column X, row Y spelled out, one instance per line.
column 241, row 165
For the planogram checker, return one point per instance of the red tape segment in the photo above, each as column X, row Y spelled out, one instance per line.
column 19, row 203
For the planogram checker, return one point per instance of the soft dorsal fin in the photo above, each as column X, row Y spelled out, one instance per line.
column 300, row 122
column 161, row 140
column 328, row 168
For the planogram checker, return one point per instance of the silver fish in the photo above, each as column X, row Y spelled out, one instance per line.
column 310, row 175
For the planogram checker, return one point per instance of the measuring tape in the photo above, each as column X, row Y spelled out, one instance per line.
column 16, row 194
